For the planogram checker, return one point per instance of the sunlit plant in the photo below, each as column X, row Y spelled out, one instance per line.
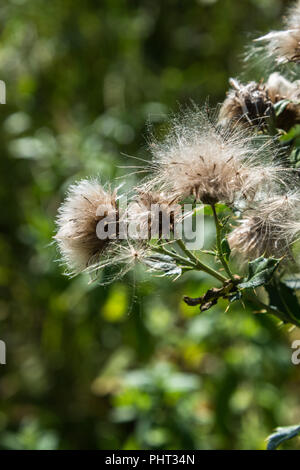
column 242, row 163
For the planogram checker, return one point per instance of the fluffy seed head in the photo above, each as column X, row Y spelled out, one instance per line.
column 210, row 162
column 252, row 104
column 284, row 46
column 278, row 89
column 86, row 204
column 154, row 214
column 269, row 228
column 246, row 104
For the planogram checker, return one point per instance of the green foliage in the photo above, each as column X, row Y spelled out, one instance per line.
column 260, row 273
column 284, row 299
column 163, row 263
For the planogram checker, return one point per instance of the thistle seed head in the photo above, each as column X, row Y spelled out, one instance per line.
column 212, row 163
column 278, row 89
column 86, row 204
column 269, row 228
column 284, row 46
column 252, row 104
column 154, row 214
column 246, row 104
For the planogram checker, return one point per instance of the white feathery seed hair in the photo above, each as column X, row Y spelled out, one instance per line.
column 121, row 257
column 213, row 163
column 269, row 228
column 284, row 46
column 77, row 221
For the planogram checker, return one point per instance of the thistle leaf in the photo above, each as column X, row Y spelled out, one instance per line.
column 284, row 299
column 282, row 434
column 261, row 271
column 164, row 264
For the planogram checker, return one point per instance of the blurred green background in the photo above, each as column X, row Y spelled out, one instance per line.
column 128, row 366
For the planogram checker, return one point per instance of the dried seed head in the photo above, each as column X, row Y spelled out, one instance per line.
column 246, row 104
column 212, row 163
column 153, row 214
column 87, row 203
column 284, row 46
column 268, row 229
column 252, row 104
column 278, row 89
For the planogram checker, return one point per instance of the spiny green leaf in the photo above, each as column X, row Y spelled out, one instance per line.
column 261, row 271
column 163, row 263
column 282, row 434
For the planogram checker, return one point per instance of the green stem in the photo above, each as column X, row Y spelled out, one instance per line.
column 219, row 247
column 199, row 265
column 174, row 255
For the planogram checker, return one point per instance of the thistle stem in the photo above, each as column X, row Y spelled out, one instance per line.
column 219, row 247
column 199, row 265
column 174, row 255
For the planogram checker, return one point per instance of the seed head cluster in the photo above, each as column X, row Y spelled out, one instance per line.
column 86, row 204
column 204, row 157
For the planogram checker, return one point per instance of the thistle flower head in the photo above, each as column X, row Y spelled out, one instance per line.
column 252, row 104
column 269, row 228
column 246, row 104
column 279, row 88
column 154, row 214
column 284, row 46
column 210, row 162
column 86, row 204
